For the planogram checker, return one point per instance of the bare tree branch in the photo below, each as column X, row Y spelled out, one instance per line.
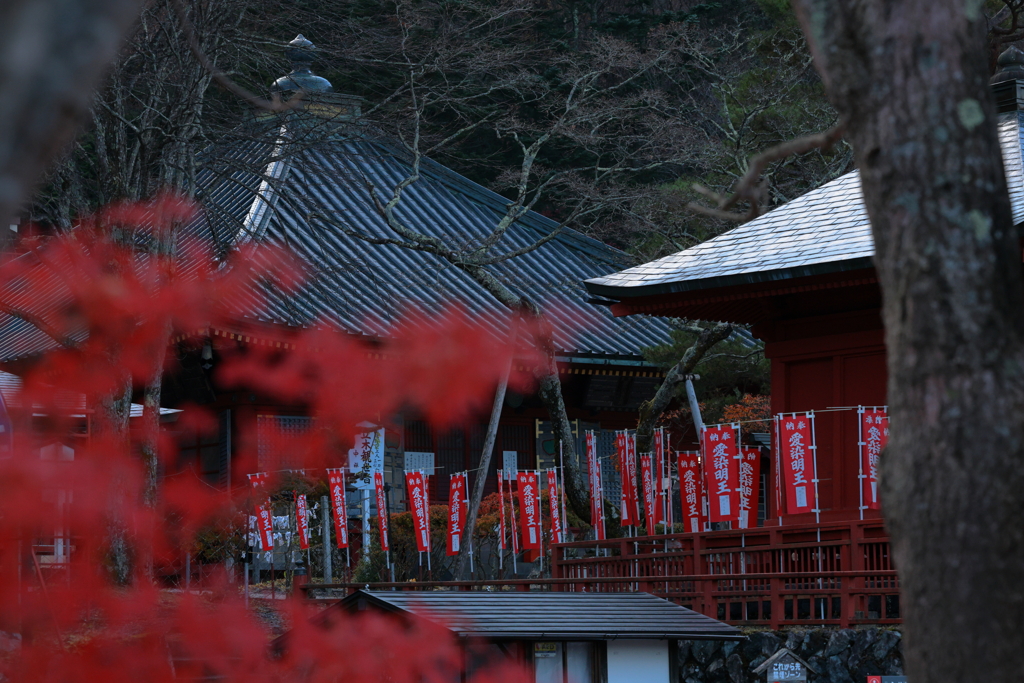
column 746, row 190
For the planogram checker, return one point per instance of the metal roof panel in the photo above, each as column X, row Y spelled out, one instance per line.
column 554, row 615
column 825, row 230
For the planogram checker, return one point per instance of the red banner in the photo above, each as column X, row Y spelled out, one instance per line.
column 264, row 514
column 626, row 444
column 691, row 491
column 416, row 487
column 529, row 509
column 796, row 454
column 456, row 511
column 382, row 511
column 501, row 497
column 336, row 484
column 650, row 496
column 722, row 472
column 302, row 520
column 596, row 488
column 750, row 486
column 874, row 430
column 556, row 511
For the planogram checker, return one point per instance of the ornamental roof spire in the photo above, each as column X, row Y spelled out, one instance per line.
column 301, row 52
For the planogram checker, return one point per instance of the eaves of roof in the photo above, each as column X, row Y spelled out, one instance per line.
column 822, row 232
column 757, row 277
column 502, row 615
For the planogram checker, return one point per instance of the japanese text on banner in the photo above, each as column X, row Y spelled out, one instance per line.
column 553, row 503
column 596, row 490
column 797, row 460
column 302, row 520
column 529, row 509
column 336, row 486
column 875, row 434
column 456, row 512
column 382, row 510
column 750, row 471
column 662, row 483
column 650, row 496
column 691, row 491
column 264, row 515
column 417, row 489
column 626, row 443
column 722, row 472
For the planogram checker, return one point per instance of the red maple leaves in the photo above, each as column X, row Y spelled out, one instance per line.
column 94, row 312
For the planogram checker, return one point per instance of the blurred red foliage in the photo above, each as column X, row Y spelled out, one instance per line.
column 108, row 296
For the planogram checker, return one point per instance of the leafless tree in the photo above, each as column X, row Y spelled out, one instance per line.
column 596, row 103
column 144, row 126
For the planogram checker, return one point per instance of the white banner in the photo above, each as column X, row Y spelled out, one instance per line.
column 369, row 447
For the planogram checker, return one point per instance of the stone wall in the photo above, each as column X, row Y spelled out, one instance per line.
column 833, row 655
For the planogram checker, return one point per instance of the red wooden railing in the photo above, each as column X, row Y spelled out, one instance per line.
column 837, row 574
column 830, row 574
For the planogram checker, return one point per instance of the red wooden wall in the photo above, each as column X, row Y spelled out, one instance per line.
column 815, row 369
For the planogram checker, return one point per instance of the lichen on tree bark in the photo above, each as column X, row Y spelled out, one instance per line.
column 911, row 79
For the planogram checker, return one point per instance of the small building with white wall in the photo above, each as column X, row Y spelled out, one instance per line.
column 578, row 637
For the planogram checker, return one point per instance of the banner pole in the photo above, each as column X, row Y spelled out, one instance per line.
column 561, row 505
column 515, row 531
column 860, row 458
column 501, row 529
column 814, row 447
column 540, row 519
column 467, row 532
column 778, row 471
column 565, row 516
column 743, row 560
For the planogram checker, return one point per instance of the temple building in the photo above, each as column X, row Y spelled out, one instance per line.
column 802, row 277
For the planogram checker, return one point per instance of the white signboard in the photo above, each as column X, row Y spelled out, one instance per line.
column 788, row 671
column 369, row 448
column 510, row 463
column 416, row 461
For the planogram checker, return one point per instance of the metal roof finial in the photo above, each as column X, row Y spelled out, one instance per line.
column 301, row 52
column 1011, row 66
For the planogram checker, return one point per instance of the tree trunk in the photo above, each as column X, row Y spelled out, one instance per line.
column 65, row 48
column 550, row 393
column 484, row 465
column 151, row 437
column 651, row 411
column 111, row 428
column 549, row 388
column 911, row 79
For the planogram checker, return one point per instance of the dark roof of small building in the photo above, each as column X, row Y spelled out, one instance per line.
column 550, row 615
column 824, row 231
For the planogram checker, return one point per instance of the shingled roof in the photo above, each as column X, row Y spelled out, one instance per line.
column 824, row 231
column 301, row 180
column 553, row 615
column 365, row 288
